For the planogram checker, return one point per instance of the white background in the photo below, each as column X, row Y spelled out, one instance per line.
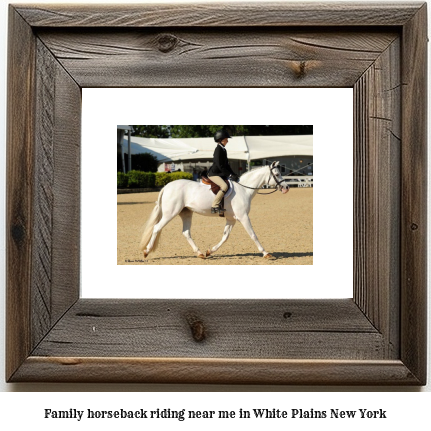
column 330, row 111
column 407, row 409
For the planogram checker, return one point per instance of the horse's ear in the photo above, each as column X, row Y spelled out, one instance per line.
column 276, row 164
column 272, row 165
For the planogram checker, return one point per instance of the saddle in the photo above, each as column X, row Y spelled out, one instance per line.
column 215, row 188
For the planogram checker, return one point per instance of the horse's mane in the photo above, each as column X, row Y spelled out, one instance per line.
column 252, row 171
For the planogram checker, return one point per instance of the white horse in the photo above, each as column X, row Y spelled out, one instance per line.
column 184, row 197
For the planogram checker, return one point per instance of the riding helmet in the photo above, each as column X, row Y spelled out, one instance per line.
column 220, row 135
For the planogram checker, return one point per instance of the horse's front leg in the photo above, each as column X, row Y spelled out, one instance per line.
column 186, row 216
column 230, row 223
column 245, row 221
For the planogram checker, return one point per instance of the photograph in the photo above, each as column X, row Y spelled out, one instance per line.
column 287, row 225
column 193, row 183
column 107, row 285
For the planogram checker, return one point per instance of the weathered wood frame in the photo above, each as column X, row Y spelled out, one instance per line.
column 378, row 337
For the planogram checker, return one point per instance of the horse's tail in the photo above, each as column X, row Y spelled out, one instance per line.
column 155, row 217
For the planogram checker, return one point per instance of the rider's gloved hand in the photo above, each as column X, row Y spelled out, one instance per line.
column 234, row 177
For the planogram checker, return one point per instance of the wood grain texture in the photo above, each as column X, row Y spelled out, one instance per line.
column 19, row 198
column 220, row 14
column 233, row 329
column 216, row 371
column 44, row 196
column 227, row 58
column 55, row 277
column 378, row 338
column 377, row 183
column 414, row 195
column 43, row 191
column 67, row 198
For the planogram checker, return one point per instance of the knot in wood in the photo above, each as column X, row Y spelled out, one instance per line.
column 197, row 328
column 167, row 42
column 414, row 226
column 300, row 69
column 18, row 233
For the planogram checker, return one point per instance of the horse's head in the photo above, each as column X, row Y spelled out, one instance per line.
column 276, row 179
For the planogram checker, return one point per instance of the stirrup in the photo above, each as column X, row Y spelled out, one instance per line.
column 217, row 210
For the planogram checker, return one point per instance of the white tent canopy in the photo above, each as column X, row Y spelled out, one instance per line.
column 240, row 148
column 266, row 147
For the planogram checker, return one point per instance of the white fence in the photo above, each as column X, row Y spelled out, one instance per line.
column 299, row 181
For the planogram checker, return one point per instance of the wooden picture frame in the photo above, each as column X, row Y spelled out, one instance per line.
column 376, row 338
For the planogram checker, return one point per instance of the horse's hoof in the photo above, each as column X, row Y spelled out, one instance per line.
column 269, row 257
column 145, row 254
column 208, row 253
column 202, row 256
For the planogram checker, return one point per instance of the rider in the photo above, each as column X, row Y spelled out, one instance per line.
column 220, row 170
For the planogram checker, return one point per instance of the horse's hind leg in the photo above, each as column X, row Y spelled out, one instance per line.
column 230, row 223
column 186, row 216
column 245, row 221
column 152, row 245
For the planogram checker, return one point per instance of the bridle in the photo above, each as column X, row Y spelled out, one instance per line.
column 277, row 182
column 275, row 179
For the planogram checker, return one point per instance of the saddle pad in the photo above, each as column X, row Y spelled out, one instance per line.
column 208, row 186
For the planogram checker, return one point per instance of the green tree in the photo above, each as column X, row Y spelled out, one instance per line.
column 190, row 131
column 195, row 131
column 151, row 131
column 145, row 162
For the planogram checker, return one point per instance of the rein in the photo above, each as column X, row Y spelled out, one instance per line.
column 275, row 179
column 269, row 179
column 257, row 188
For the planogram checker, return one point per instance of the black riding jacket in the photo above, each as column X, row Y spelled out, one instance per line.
column 220, row 167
